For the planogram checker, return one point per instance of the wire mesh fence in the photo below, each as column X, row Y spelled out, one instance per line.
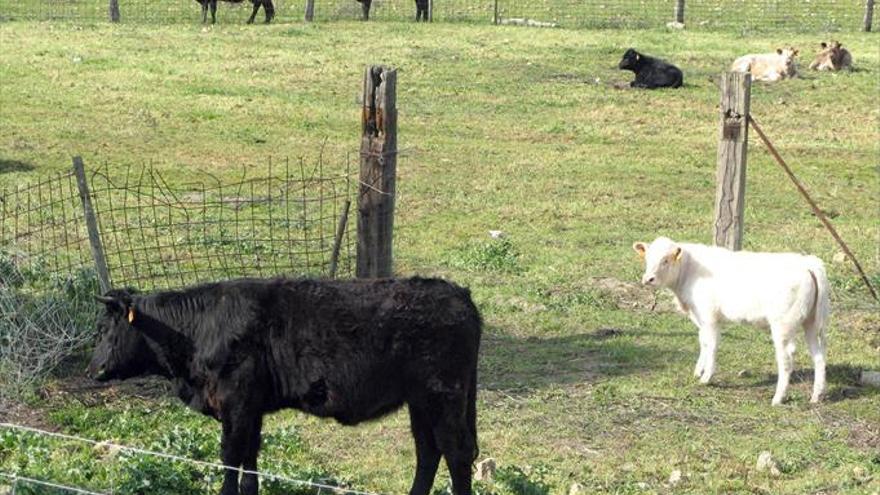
column 826, row 15
column 156, row 235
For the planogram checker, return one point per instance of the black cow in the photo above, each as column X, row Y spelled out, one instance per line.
column 422, row 10
column 352, row 351
column 651, row 72
column 365, row 7
column 268, row 9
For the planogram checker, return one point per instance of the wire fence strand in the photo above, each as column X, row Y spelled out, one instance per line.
column 827, row 15
column 172, row 457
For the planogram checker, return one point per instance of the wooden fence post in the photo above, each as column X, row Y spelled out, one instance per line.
column 310, row 10
column 114, row 10
column 732, row 147
column 91, row 225
column 378, row 170
column 679, row 11
column 869, row 15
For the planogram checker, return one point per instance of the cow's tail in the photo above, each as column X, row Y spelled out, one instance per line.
column 821, row 307
column 472, row 388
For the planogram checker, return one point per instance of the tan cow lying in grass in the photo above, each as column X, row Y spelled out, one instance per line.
column 832, row 56
column 768, row 66
column 712, row 285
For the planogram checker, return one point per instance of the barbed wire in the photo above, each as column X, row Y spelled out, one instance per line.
column 172, row 457
column 33, row 481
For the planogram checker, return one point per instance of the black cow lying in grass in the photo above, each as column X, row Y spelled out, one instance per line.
column 651, row 72
column 352, row 351
column 268, row 9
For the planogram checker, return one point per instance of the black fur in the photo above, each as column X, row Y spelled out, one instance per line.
column 422, row 10
column 353, row 351
column 365, row 7
column 268, row 9
column 651, row 72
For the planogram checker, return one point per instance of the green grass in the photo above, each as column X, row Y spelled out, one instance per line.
column 518, row 130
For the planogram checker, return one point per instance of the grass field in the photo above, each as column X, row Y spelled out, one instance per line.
column 518, row 130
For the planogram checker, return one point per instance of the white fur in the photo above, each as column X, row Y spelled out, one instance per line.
column 713, row 285
column 768, row 66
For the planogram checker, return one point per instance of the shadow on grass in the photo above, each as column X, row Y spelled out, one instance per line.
column 842, row 379
column 518, row 365
column 7, row 166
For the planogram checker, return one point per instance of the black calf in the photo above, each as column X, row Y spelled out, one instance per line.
column 651, row 72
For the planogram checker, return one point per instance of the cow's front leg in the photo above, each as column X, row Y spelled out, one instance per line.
column 204, row 4
column 709, row 347
column 240, row 434
column 213, row 11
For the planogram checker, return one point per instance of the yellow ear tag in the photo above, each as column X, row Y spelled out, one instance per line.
column 131, row 315
column 679, row 254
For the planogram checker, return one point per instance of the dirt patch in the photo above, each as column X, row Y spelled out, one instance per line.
column 84, row 391
column 631, row 295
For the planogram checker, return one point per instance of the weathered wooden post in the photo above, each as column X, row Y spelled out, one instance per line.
column 378, row 170
column 869, row 15
column 114, row 10
column 679, row 11
column 732, row 147
column 91, row 225
column 310, row 10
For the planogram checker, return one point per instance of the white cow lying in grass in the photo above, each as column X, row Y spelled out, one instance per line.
column 768, row 66
column 712, row 285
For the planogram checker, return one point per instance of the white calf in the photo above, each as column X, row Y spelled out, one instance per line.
column 768, row 66
column 712, row 285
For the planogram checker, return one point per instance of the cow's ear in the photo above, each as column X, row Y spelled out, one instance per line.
column 677, row 253
column 640, row 248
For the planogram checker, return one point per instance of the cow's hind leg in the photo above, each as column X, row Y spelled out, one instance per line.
column 269, row 10
column 204, row 4
column 213, row 11
column 427, row 453
column 816, row 342
column 457, row 442
column 783, row 342
column 257, row 4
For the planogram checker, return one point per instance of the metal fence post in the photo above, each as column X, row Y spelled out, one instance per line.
column 92, row 225
column 869, row 15
column 732, row 147
column 310, row 10
column 495, row 19
column 378, row 170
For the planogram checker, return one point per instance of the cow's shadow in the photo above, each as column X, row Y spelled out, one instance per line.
column 518, row 365
column 842, row 379
column 8, row 165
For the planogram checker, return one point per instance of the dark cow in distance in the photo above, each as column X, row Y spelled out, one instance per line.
column 650, row 72
column 268, row 9
column 421, row 9
column 352, row 351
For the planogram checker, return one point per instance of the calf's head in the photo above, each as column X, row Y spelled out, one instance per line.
column 830, row 53
column 662, row 261
column 630, row 60
column 788, row 55
column 122, row 352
